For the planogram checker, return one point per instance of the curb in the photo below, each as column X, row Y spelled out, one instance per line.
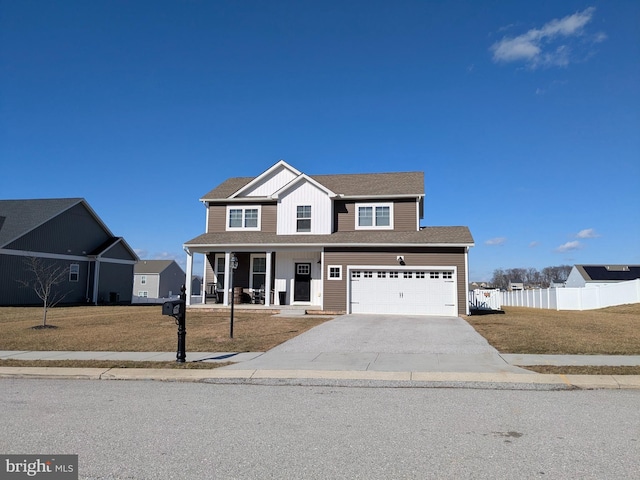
column 333, row 378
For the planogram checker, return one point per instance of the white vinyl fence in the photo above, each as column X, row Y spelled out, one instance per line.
column 485, row 299
column 586, row 298
column 152, row 301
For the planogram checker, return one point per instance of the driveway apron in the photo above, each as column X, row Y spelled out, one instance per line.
column 390, row 343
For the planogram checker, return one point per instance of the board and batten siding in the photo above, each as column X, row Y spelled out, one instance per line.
column 404, row 215
column 271, row 183
column 335, row 291
column 304, row 194
column 218, row 217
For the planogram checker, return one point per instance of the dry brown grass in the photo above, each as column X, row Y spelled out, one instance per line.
column 585, row 370
column 106, row 364
column 144, row 329
column 608, row 331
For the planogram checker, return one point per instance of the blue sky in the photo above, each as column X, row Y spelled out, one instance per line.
column 524, row 116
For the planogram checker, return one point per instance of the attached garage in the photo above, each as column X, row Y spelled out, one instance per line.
column 422, row 291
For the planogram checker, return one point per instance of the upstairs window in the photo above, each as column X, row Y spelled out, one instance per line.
column 303, row 218
column 374, row 216
column 243, row 218
column 143, row 279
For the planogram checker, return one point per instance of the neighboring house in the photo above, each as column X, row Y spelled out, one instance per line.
column 600, row 275
column 348, row 243
column 514, row 286
column 479, row 285
column 157, row 279
column 68, row 233
column 196, row 285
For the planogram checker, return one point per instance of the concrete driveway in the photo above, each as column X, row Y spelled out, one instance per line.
column 389, row 343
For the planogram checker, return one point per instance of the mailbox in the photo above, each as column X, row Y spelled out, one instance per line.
column 173, row 307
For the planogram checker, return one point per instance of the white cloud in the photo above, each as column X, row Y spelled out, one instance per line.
column 496, row 241
column 587, row 233
column 534, row 244
column 569, row 246
column 540, row 48
column 141, row 252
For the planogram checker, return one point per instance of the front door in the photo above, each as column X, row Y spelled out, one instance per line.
column 302, row 283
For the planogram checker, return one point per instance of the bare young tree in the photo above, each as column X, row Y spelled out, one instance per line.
column 45, row 279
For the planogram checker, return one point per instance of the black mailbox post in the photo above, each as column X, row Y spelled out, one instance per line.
column 177, row 309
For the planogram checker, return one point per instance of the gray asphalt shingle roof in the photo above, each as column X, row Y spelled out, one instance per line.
column 424, row 237
column 151, row 266
column 19, row 217
column 359, row 184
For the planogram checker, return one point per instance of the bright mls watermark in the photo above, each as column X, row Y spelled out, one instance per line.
column 51, row 467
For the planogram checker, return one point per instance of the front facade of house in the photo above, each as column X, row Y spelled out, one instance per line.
column 344, row 243
column 65, row 233
column 157, row 279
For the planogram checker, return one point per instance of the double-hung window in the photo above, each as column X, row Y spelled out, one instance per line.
column 303, row 218
column 243, row 218
column 374, row 216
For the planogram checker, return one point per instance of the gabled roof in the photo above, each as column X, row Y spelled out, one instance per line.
column 609, row 273
column 19, row 217
column 152, row 266
column 393, row 184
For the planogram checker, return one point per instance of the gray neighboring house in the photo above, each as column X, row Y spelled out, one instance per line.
column 65, row 232
column 349, row 243
column 157, row 279
column 601, row 275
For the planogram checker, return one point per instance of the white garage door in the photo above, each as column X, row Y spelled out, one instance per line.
column 416, row 292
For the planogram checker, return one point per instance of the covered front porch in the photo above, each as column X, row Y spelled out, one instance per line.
column 266, row 278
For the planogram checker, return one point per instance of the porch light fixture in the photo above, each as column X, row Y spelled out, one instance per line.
column 400, row 260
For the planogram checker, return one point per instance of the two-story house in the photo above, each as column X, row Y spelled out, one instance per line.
column 350, row 243
column 153, row 279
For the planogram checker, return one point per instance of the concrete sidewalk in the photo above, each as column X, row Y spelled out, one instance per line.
column 403, row 370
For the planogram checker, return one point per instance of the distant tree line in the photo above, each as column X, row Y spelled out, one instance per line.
column 531, row 277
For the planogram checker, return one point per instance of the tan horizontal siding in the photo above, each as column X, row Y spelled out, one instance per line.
column 268, row 222
column 335, row 291
column 218, row 218
column 404, row 215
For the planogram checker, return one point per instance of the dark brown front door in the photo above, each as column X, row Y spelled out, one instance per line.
column 302, row 283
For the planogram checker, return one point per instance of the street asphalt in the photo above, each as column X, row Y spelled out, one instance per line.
column 356, row 349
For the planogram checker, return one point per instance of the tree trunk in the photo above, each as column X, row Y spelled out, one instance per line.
column 44, row 314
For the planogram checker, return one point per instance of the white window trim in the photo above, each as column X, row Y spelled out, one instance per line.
column 143, row 293
column 329, row 267
column 305, row 218
column 215, row 268
column 251, row 272
column 74, row 272
column 373, row 206
column 244, row 208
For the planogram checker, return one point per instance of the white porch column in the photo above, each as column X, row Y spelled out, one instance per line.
column 227, row 274
column 187, row 283
column 267, row 281
column 203, row 287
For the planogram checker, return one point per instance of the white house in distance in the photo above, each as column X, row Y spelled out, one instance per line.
column 601, row 275
column 157, row 279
